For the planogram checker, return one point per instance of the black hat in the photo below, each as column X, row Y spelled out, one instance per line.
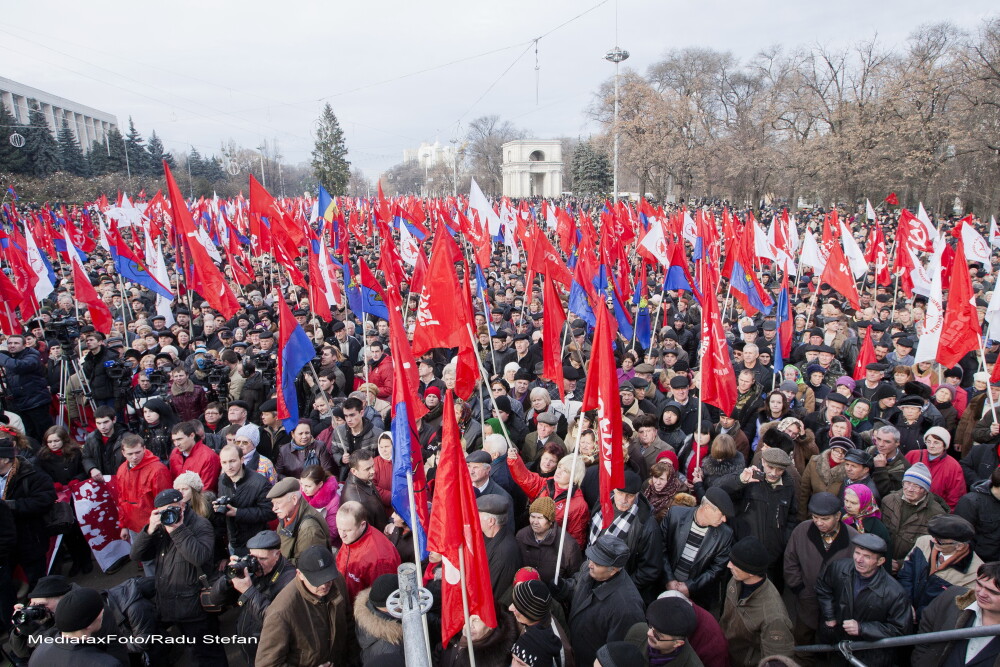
column 774, row 438
column 824, row 503
column 633, row 483
column 382, row 588
column 904, row 342
column 571, row 373
column 317, row 565
column 521, row 336
column 770, row 326
column 875, row 366
column 955, row 372
column 861, row 457
column 639, row 383
column 337, row 326
column 911, row 400
column 52, row 586
column 492, row 503
column 837, row 398
column 479, row 456
column 522, row 374
column 240, row 404
column 265, row 334
column 608, row 550
column 626, row 386
column 748, row 329
column 265, row 539
column 537, row 647
column 680, row 382
column 270, row 405
column 870, row 542
column 951, row 527
column 750, row 555
column 825, row 348
column 721, row 500
column 672, row 616
column 78, row 609
column 503, row 404
column 881, row 392
column 532, row 599
column 167, row 497
column 619, row 654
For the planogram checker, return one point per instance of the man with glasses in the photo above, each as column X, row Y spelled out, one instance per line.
column 670, row 621
column 961, row 607
column 939, row 560
column 907, row 512
column 890, row 464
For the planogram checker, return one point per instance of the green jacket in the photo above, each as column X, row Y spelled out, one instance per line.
column 756, row 626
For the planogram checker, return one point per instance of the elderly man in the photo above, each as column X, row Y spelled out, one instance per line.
column 890, row 464
column 859, row 600
column 754, row 617
column 300, row 525
column 941, row 559
column 246, row 438
column 545, row 432
column 858, row 465
column 502, row 552
column 907, row 512
column 815, row 543
column 696, row 546
column 480, row 464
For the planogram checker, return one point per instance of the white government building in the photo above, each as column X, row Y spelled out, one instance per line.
column 87, row 123
column 532, row 168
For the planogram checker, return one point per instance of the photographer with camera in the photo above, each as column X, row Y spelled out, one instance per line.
column 242, row 499
column 256, row 387
column 181, row 542
column 139, row 479
column 252, row 582
column 102, row 448
column 27, row 386
column 102, row 385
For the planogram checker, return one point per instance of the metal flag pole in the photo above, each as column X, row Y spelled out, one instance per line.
column 465, row 605
column 416, row 553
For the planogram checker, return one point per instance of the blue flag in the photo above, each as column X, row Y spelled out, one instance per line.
column 402, row 463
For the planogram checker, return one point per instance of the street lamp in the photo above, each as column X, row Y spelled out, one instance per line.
column 616, row 56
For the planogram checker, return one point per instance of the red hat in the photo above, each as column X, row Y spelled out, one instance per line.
column 670, row 456
column 526, row 573
column 432, row 391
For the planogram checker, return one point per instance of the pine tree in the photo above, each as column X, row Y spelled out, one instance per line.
column 71, row 158
column 196, row 165
column 330, row 165
column 108, row 156
column 138, row 158
column 591, row 170
column 157, row 156
column 41, row 148
column 12, row 159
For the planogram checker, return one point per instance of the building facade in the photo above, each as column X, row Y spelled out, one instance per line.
column 532, row 168
column 87, row 123
column 429, row 155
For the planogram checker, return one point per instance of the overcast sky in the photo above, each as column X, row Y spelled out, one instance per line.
column 397, row 73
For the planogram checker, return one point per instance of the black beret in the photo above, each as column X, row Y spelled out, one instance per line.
column 824, row 503
column 337, row 326
column 861, row 457
column 78, row 609
column 571, row 373
column 167, row 497
column 672, row 616
column 721, row 500
column 680, row 382
column 837, row 398
column 239, row 404
column 951, row 527
column 633, row 483
column 52, row 586
column 608, row 551
column 750, row 555
column 265, row 539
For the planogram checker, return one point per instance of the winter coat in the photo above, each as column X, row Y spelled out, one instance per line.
column 889, row 478
column 980, row 463
column 905, row 533
column 645, row 551
column 380, row 636
column 200, row 460
column 157, row 439
column 326, row 501
column 911, row 436
column 764, row 511
column 102, row 387
column 60, row 467
column 105, row 455
column 504, row 560
column 307, row 529
column 380, row 374
column 137, row 487
column 363, row 561
column 190, row 404
column 882, row 609
column 756, row 626
column 981, row 508
column 947, row 480
column 367, row 494
column 964, row 440
column 27, row 381
column 133, row 610
column 535, row 485
column 950, row 611
column 339, row 441
column 542, row 554
column 922, row 586
column 78, row 655
column 291, row 460
column 819, row 476
column 30, row 494
column 806, row 558
column 710, row 562
column 303, row 630
column 804, row 449
column 181, row 557
column 713, row 470
column 253, row 509
column 493, row 650
column 601, row 612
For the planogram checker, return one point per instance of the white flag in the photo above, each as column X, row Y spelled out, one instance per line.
column 407, row 246
column 479, row 202
column 210, row 248
column 926, row 220
column 812, row 255
column 655, row 242
column 869, row 211
column 690, row 230
column 918, row 274
column 927, row 346
column 976, row 247
column 44, row 286
column 856, row 258
column 993, row 316
column 762, row 247
column 994, row 233
column 157, row 268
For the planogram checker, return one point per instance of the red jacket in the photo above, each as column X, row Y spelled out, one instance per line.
column 381, row 376
column 535, row 486
column 200, row 460
column 947, row 479
column 383, row 482
column 365, row 560
column 136, row 489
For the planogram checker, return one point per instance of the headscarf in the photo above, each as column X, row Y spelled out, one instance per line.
column 868, row 507
column 850, row 411
column 661, row 500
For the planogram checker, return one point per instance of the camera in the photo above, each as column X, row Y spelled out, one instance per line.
column 32, row 619
column 239, row 568
column 65, row 330
column 220, row 504
column 759, row 475
column 169, row 516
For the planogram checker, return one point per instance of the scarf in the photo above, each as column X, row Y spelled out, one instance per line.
column 312, row 457
column 660, row 501
column 178, row 388
column 868, row 507
column 938, row 564
column 619, row 526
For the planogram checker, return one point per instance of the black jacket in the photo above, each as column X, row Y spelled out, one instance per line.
column 181, row 557
column 27, row 380
column 61, row 468
column 980, row 463
column 105, row 456
column 102, row 387
column 253, row 509
column 763, row 511
column 709, row 564
column 882, row 609
column 31, row 494
column 133, row 610
column 645, row 551
column 980, row 508
column 601, row 612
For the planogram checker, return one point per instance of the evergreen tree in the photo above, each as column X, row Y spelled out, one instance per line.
column 329, row 163
column 157, row 156
column 138, row 158
column 196, row 165
column 41, row 148
column 591, row 170
column 212, row 169
column 71, row 158
column 12, row 159
column 108, row 156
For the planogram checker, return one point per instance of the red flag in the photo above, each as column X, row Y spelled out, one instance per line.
column 961, row 332
column 543, row 258
column 11, row 297
column 552, row 334
column 876, row 253
column 892, row 199
column 865, row 356
column 718, row 379
column 601, row 393
column 454, row 525
column 100, row 314
column 838, row 275
column 213, row 286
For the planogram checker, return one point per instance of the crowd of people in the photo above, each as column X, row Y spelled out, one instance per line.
column 831, row 503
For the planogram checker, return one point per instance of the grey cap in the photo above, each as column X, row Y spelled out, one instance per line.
column 479, row 456
column 870, row 542
column 283, row 488
column 548, row 418
column 492, row 503
column 609, row 551
column 265, row 539
column 824, row 503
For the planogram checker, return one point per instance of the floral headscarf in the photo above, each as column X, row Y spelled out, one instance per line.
column 868, row 507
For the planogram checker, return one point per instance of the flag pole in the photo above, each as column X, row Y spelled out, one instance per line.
column 416, row 554
column 465, row 605
column 989, row 393
column 569, row 499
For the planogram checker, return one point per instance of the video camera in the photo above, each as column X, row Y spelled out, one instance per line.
column 66, row 331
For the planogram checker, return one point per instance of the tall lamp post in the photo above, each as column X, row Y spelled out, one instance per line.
column 616, row 56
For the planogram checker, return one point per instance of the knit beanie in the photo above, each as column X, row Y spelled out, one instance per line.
column 189, row 479
column 250, row 432
column 531, row 599
column 545, row 506
column 919, row 474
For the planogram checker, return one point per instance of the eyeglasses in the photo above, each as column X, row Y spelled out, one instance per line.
column 663, row 638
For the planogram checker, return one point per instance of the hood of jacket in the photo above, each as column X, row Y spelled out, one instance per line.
column 374, row 622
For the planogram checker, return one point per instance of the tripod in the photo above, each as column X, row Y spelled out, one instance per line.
column 68, row 367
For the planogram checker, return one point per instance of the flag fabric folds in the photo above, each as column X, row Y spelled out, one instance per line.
column 295, row 350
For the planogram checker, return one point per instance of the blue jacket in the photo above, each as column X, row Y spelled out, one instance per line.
column 27, row 381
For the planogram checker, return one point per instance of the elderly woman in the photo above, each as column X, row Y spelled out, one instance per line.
column 303, row 451
column 662, row 487
column 540, row 402
column 825, row 471
column 546, row 464
column 947, row 478
column 535, row 486
column 539, row 542
column 863, row 513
